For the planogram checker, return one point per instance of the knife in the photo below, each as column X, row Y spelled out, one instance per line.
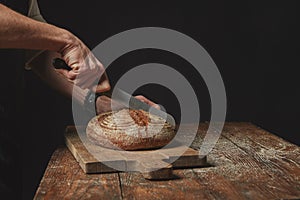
column 120, row 96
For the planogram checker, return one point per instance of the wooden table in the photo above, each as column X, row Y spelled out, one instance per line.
column 247, row 163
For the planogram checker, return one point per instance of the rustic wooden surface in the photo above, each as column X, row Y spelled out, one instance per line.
column 96, row 159
column 247, row 163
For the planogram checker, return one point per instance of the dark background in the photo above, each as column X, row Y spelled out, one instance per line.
column 255, row 45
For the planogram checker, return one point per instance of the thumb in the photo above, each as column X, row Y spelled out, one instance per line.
column 71, row 75
column 103, row 87
column 103, row 84
column 63, row 72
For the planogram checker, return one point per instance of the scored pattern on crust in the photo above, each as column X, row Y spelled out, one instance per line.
column 118, row 130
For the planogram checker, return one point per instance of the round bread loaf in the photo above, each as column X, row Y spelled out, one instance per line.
column 129, row 130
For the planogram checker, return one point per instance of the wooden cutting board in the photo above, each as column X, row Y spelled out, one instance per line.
column 142, row 161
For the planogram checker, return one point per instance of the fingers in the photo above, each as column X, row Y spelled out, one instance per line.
column 85, row 73
column 103, row 104
column 90, row 83
column 85, row 81
column 90, row 72
column 71, row 75
column 147, row 101
column 103, row 85
column 86, row 68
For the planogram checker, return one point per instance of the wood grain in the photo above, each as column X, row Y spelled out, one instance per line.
column 247, row 163
column 154, row 164
column 253, row 163
column 184, row 186
column 64, row 179
column 270, row 155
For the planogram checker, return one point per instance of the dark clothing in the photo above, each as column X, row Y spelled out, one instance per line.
column 10, row 123
column 12, row 62
column 20, row 6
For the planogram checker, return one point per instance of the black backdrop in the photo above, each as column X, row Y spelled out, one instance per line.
column 255, row 45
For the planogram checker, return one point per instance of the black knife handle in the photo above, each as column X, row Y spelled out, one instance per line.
column 59, row 63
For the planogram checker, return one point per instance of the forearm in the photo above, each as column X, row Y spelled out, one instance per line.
column 18, row 31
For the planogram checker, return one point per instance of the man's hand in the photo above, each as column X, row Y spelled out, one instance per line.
column 86, row 68
column 105, row 104
column 20, row 32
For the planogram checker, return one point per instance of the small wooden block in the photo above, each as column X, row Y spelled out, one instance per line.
column 153, row 164
column 160, row 174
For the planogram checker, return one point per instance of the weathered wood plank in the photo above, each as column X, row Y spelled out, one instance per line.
column 244, row 164
column 206, row 183
column 185, row 186
column 247, row 163
column 218, row 180
column 213, row 182
column 272, row 155
column 64, row 179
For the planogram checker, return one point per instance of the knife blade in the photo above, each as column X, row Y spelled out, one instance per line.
column 122, row 97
